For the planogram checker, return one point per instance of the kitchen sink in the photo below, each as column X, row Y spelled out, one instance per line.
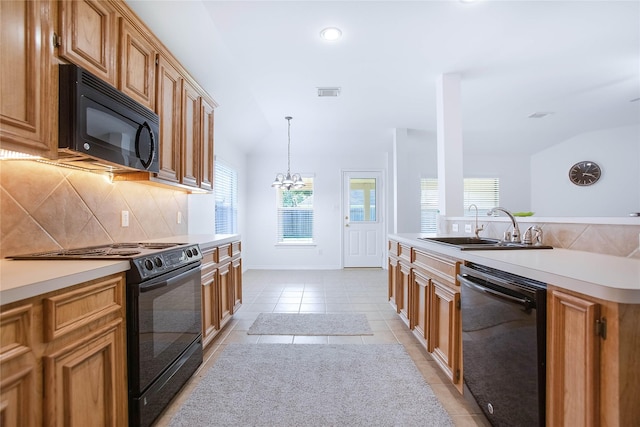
column 474, row 243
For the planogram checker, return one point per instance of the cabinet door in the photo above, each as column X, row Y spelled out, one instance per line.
column 169, row 108
column 206, row 150
column 404, row 292
column 28, row 97
column 18, row 369
column 393, row 283
column 445, row 326
column 137, row 65
column 210, row 316
column 573, row 350
column 420, row 322
column 84, row 381
column 236, row 278
column 89, row 36
column 225, row 291
column 190, row 152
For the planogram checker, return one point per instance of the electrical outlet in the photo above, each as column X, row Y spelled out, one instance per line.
column 179, row 217
column 467, row 228
column 124, row 218
column 454, row 228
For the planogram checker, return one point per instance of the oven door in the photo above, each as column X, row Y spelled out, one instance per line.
column 164, row 318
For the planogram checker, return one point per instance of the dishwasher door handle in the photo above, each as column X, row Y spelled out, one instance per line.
column 471, row 284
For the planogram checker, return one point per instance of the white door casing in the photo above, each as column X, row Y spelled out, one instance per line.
column 363, row 243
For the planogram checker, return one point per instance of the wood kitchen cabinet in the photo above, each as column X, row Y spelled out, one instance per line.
column 221, row 288
column 88, row 36
column 28, row 88
column 404, row 284
column 190, row 138
column 427, row 298
column 169, row 108
column 393, row 274
column 205, row 177
column 593, row 369
column 137, row 65
column 63, row 357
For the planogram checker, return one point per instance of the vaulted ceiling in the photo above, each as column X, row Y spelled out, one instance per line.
column 264, row 60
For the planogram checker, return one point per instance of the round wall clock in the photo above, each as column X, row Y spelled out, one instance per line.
column 585, row 173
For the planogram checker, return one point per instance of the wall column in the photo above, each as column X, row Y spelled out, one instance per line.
column 449, row 140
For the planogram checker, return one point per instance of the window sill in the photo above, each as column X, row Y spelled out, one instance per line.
column 296, row 244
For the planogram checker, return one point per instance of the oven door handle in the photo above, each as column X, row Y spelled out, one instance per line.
column 166, row 282
column 471, row 284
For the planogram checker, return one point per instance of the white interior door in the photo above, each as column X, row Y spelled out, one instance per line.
column 362, row 224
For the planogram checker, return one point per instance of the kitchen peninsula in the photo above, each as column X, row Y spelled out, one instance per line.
column 586, row 293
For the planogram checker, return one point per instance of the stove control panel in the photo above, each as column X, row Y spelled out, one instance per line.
column 161, row 262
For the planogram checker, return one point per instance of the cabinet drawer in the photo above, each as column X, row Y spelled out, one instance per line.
column 209, row 258
column 443, row 267
column 235, row 248
column 404, row 252
column 224, row 253
column 15, row 332
column 393, row 248
column 72, row 310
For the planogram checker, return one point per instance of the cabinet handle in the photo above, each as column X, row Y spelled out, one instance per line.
column 57, row 40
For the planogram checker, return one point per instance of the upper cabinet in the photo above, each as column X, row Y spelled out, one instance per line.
column 106, row 38
column 28, row 95
column 137, row 65
column 88, row 36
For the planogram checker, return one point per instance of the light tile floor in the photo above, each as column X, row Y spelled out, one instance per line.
column 329, row 291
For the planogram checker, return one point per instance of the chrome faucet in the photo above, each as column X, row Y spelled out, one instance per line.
column 533, row 236
column 508, row 237
column 476, row 230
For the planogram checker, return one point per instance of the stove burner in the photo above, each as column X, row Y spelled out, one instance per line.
column 124, row 253
column 124, row 245
column 159, row 245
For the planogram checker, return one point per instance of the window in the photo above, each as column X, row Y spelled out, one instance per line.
column 226, row 191
column 483, row 192
column 428, row 204
column 295, row 214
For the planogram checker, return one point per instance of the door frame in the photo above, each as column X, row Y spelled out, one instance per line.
column 381, row 211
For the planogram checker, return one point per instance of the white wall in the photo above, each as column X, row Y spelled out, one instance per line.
column 259, row 248
column 416, row 157
column 616, row 194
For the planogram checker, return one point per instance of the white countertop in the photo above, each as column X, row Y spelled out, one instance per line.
column 606, row 277
column 20, row 279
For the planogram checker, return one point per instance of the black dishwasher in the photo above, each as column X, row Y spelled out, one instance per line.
column 504, row 344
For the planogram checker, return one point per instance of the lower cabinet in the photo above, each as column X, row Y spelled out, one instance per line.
column 221, row 288
column 63, row 357
column 424, row 291
column 593, row 369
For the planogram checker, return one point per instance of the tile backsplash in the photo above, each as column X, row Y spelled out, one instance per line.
column 610, row 239
column 46, row 207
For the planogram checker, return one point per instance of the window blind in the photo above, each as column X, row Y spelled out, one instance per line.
column 428, row 204
column 226, row 194
column 295, row 214
column 483, row 192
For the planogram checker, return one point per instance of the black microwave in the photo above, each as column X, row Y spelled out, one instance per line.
column 102, row 128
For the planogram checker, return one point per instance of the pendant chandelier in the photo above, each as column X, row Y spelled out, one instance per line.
column 288, row 181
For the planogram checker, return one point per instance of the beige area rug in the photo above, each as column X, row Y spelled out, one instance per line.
column 310, row 324
column 312, row 385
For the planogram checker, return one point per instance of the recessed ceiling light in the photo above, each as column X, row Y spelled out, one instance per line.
column 331, row 34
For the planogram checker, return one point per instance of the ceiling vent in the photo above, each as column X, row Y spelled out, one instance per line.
column 539, row 114
column 328, row 91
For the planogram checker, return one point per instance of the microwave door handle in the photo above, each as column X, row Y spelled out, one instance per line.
column 146, row 163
